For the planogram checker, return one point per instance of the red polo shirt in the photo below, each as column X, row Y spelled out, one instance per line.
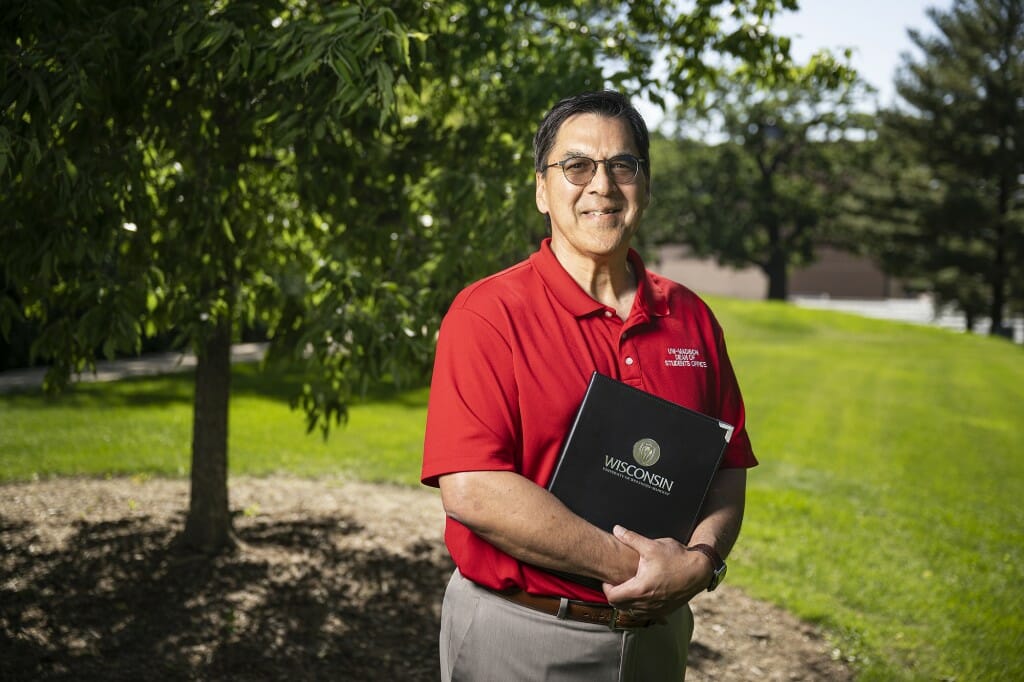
column 514, row 356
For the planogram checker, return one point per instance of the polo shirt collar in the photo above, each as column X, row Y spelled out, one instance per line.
column 650, row 299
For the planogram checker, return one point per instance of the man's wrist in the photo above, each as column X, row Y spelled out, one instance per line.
column 718, row 566
column 622, row 561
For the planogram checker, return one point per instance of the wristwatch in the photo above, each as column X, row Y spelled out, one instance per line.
column 717, row 562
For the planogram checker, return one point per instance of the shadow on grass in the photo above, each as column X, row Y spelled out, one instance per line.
column 303, row 599
column 145, row 391
column 247, row 379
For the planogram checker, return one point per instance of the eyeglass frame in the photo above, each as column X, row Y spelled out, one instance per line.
column 561, row 164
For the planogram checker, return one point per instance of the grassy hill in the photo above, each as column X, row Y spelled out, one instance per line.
column 886, row 506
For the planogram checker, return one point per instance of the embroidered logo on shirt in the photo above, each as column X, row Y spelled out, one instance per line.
column 685, row 357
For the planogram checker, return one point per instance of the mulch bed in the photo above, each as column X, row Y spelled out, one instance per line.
column 333, row 579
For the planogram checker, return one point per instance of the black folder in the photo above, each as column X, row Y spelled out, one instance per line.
column 637, row 460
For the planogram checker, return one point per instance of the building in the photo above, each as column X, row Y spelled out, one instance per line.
column 836, row 281
column 835, row 274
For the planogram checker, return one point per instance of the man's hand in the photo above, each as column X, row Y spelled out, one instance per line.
column 667, row 576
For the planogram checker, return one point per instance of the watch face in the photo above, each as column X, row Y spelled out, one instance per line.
column 717, row 577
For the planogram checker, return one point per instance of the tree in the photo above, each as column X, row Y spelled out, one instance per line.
column 151, row 179
column 330, row 171
column 962, row 132
column 765, row 194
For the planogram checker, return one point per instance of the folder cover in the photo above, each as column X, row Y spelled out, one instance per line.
column 637, row 460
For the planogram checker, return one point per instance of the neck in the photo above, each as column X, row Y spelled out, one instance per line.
column 610, row 281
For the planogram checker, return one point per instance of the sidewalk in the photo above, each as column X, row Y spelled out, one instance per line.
column 111, row 370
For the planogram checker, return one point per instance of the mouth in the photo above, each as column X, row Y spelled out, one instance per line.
column 603, row 212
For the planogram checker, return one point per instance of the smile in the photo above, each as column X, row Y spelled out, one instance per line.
column 611, row 211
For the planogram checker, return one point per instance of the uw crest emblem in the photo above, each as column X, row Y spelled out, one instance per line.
column 646, row 452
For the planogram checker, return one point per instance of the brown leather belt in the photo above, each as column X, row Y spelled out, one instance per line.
column 585, row 612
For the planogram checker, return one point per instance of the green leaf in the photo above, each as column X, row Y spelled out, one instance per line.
column 301, row 67
column 226, row 228
column 218, row 35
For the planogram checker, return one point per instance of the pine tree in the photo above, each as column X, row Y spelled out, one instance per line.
column 963, row 125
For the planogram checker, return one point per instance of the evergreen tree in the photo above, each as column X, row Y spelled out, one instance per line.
column 961, row 174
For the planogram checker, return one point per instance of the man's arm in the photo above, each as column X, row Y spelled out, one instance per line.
column 529, row 523
column 723, row 511
column 668, row 575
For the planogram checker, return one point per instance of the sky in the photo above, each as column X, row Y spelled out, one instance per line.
column 876, row 31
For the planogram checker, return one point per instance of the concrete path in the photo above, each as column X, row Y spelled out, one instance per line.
column 111, row 370
column 920, row 310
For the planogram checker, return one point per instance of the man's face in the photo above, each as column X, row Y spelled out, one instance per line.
column 596, row 220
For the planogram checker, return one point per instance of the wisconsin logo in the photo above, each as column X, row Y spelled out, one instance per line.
column 646, row 452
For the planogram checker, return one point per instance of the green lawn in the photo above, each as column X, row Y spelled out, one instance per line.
column 886, row 507
column 144, row 425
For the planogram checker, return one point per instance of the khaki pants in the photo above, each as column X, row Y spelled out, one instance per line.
column 485, row 637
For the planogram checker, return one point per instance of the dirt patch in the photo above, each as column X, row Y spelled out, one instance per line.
column 336, row 579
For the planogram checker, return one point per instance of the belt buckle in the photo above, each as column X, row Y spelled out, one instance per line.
column 613, row 623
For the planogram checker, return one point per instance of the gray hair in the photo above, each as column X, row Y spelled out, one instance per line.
column 602, row 102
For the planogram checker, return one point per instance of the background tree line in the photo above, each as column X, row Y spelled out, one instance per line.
column 932, row 189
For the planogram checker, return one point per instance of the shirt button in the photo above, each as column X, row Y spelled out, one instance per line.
column 608, row 313
column 629, row 361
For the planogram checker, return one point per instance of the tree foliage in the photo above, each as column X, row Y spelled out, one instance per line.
column 956, row 147
column 760, row 188
column 153, row 179
column 331, row 172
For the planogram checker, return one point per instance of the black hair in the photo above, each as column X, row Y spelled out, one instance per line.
column 602, row 102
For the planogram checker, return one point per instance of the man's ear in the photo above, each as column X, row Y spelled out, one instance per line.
column 541, row 195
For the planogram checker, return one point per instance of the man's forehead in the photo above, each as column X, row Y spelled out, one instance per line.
column 580, row 132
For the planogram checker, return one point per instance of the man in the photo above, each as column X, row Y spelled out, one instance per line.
column 514, row 356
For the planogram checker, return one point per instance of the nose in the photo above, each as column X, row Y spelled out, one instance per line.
column 602, row 181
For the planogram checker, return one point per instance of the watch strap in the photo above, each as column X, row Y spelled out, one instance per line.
column 717, row 562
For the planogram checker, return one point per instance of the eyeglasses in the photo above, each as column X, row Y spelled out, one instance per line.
column 580, row 170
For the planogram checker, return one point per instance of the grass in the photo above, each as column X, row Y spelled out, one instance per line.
column 886, row 507
column 144, row 426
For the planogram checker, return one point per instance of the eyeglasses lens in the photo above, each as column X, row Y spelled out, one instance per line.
column 580, row 170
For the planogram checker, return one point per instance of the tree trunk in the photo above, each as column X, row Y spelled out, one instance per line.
column 777, row 265
column 778, row 276
column 999, row 269
column 208, row 526
column 997, row 305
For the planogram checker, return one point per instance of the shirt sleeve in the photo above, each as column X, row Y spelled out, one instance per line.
column 472, row 414
column 738, row 453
